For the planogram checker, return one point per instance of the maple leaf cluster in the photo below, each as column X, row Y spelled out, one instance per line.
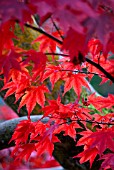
column 75, row 43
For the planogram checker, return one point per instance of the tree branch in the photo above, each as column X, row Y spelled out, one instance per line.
column 65, row 55
column 83, row 72
column 60, row 149
column 7, row 128
column 108, row 75
column 57, row 29
column 45, row 33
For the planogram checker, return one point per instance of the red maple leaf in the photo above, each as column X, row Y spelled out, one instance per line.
column 12, row 88
column 95, row 46
column 47, row 139
column 9, row 61
column 74, row 45
column 100, row 102
column 84, row 140
column 52, row 108
column 47, row 145
column 32, row 96
column 108, row 118
column 58, row 110
column 47, row 43
column 103, row 139
column 59, row 12
column 39, row 63
column 76, row 81
column 96, row 141
column 80, row 20
column 54, row 73
column 22, row 132
column 16, row 85
column 69, row 129
column 108, row 161
column 26, row 151
column 40, row 129
column 49, row 133
column 88, row 153
column 101, row 60
column 6, row 36
column 16, row 10
column 104, row 19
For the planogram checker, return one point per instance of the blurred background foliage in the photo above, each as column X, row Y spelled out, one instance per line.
column 25, row 38
column 103, row 89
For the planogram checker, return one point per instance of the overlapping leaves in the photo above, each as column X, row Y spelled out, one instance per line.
column 27, row 72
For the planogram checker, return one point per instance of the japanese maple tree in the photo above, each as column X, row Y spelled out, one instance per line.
column 74, row 42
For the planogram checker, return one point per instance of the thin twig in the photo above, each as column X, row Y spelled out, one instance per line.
column 102, row 123
column 108, row 75
column 81, row 120
column 88, row 121
column 78, row 71
column 57, row 29
column 57, row 54
column 45, row 33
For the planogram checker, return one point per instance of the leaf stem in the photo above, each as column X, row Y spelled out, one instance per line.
column 57, row 29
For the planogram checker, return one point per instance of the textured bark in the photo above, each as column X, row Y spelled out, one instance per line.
column 63, row 152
